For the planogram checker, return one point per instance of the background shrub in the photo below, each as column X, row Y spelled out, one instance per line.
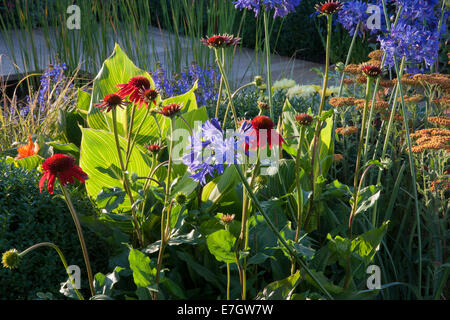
column 29, row 217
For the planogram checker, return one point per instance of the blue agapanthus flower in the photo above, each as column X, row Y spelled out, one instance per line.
column 282, row 7
column 352, row 13
column 417, row 44
column 210, row 150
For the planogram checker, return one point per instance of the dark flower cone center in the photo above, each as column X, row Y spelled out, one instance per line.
column 262, row 123
column 140, row 82
column 113, row 99
column 58, row 163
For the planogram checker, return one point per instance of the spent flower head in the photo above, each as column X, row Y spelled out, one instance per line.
column 221, row 41
column 11, row 259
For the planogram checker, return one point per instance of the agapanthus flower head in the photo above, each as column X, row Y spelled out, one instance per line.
column 170, row 110
column 329, row 7
column 210, row 150
column 282, row 7
column 28, row 150
column 11, row 259
column 135, row 89
column 63, row 168
column 304, row 119
column 111, row 102
column 221, row 41
column 153, row 148
column 371, row 70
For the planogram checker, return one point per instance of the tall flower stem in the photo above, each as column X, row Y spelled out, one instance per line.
column 133, row 142
column 291, row 252
column 268, row 61
column 219, row 97
column 125, row 181
column 318, row 128
column 165, row 218
column 62, row 258
column 81, row 238
column 369, row 87
column 349, row 54
column 299, row 190
column 228, row 88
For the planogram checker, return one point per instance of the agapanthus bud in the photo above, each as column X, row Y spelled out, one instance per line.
column 11, row 259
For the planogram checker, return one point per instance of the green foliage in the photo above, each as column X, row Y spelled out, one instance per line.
column 29, row 217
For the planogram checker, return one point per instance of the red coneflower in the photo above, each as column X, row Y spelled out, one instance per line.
column 154, row 148
column 304, row 119
column 371, row 70
column 62, row 167
column 266, row 124
column 111, row 102
column 28, row 150
column 221, row 41
column 135, row 89
column 150, row 96
column 170, row 110
column 328, row 7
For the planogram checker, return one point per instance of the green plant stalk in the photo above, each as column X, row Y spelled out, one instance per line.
column 127, row 161
column 61, row 256
column 413, row 173
column 433, row 67
column 322, row 104
column 227, row 86
column 349, row 54
column 219, row 97
column 369, row 87
column 371, row 114
column 165, row 218
column 125, row 179
column 279, row 236
column 81, row 238
column 268, row 61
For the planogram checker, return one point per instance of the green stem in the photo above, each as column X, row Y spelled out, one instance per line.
column 279, row 236
column 81, row 238
column 358, row 157
column 349, row 54
column 268, row 61
column 228, row 88
column 61, row 256
column 127, row 161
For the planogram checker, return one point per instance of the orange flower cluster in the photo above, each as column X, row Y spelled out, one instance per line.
column 387, row 83
column 431, row 139
column 379, row 105
column 408, row 79
column 443, row 101
column 349, row 81
column 338, row 157
column 347, row 131
column 442, row 121
column 376, row 55
column 353, row 69
column 397, row 117
column 413, row 99
column 440, row 186
column 442, row 81
column 343, row 101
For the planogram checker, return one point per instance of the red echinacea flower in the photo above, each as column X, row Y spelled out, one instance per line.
column 135, row 89
column 62, row 167
column 170, row 110
column 28, row 150
column 111, row 102
column 221, row 41
column 263, row 129
column 329, row 7
column 371, row 70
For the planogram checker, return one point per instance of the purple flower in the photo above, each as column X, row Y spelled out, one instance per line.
column 210, row 150
column 282, row 7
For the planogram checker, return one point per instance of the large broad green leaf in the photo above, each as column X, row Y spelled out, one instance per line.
column 144, row 273
column 326, row 147
column 290, row 129
column 280, row 290
column 28, row 163
column 221, row 244
column 220, row 186
column 99, row 159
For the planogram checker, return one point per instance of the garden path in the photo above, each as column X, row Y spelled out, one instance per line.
column 246, row 63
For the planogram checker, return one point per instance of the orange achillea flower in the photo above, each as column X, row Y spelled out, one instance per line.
column 376, row 55
column 431, row 139
column 349, row 81
column 442, row 121
column 353, row 69
column 440, row 186
column 338, row 157
column 387, row 83
column 28, row 150
column 411, row 99
column 343, row 101
column 443, row 101
column 442, row 81
column 379, row 105
column 408, row 79
column 347, row 131
column 362, row 79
